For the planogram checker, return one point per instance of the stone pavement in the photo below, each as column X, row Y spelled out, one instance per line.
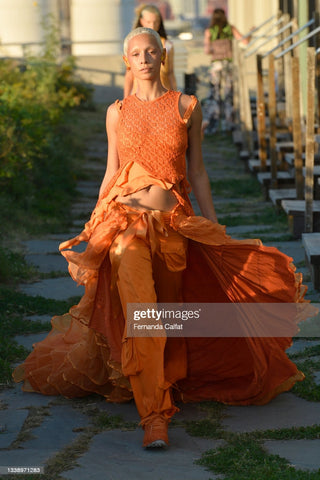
column 59, row 434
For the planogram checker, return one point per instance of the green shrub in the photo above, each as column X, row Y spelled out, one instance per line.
column 38, row 156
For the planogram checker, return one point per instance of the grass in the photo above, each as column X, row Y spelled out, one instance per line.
column 13, row 267
column 294, row 433
column 13, row 302
column 244, row 458
column 308, row 361
column 308, row 389
column 66, row 458
column 19, row 223
column 307, row 352
column 104, row 421
column 229, row 180
column 55, row 274
column 209, row 427
column 51, row 214
column 268, row 216
column 246, row 187
column 34, row 419
column 14, row 308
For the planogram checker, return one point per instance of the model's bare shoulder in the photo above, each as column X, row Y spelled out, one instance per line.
column 186, row 100
column 112, row 115
column 189, row 104
column 115, row 107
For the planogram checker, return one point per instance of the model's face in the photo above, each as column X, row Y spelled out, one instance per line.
column 150, row 20
column 144, row 56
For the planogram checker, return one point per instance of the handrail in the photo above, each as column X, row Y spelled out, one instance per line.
column 287, row 39
column 283, row 29
column 281, row 19
column 294, row 45
column 255, row 29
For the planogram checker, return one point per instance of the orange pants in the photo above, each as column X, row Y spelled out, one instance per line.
column 149, row 274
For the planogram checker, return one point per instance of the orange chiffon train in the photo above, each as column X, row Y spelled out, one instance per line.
column 87, row 350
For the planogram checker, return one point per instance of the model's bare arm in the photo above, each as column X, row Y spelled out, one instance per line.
column 196, row 170
column 238, row 36
column 207, row 42
column 113, row 159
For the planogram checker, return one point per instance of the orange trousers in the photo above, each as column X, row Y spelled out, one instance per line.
column 149, row 274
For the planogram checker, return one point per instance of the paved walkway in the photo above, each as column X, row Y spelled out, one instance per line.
column 89, row 438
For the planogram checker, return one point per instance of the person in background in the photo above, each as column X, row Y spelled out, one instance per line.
column 218, row 107
column 150, row 16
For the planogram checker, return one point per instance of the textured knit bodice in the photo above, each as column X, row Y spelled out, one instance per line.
column 154, row 135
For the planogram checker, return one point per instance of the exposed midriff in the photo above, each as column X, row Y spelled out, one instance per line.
column 139, row 189
column 152, row 197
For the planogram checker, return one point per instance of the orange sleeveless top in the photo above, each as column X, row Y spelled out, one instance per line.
column 152, row 142
column 154, row 135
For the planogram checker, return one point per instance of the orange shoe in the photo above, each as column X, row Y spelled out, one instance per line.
column 156, row 432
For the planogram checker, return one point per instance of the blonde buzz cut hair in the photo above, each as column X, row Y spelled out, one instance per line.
column 141, row 31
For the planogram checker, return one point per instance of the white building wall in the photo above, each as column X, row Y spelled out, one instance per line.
column 98, row 27
column 245, row 14
column 189, row 8
column 21, row 23
column 178, row 7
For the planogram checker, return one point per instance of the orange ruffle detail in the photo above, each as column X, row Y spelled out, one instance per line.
column 75, row 359
column 82, row 353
